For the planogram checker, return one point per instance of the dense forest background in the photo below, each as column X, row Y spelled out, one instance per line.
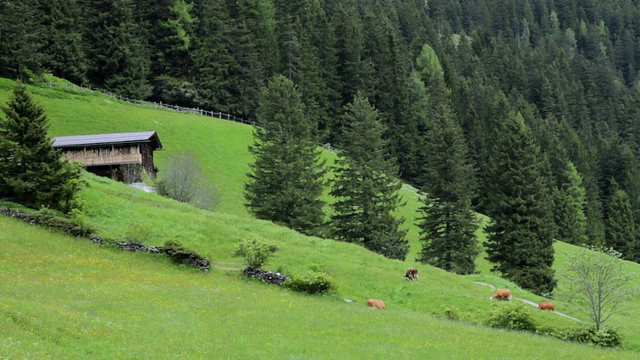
column 566, row 70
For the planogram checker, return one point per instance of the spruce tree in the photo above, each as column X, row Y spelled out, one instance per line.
column 63, row 49
column 170, row 32
column 520, row 235
column 571, row 202
column 286, row 178
column 118, row 53
column 366, row 187
column 210, row 57
column 621, row 226
column 448, row 223
column 32, row 172
column 21, row 39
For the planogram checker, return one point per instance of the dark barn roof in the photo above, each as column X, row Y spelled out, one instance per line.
column 108, row 139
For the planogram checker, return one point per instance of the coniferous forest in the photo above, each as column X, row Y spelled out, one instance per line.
column 536, row 100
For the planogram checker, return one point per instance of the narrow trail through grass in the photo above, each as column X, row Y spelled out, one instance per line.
column 532, row 303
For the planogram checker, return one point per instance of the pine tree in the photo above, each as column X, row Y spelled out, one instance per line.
column 448, row 222
column 32, row 172
column 521, row 232
column 621, row 226
column 266, row 37
column 308, row 55
column 20, row 39
column 366, row 187
column 64, row 50
column 170, row 32
column 570, row 208
column 211, row 59
column 286, row 179
column 118, row 53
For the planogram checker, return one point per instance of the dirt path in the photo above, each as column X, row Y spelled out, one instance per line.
column 532, row 303
column 226, row 268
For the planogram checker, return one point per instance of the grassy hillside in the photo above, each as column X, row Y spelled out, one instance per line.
column 65, row 298
column 68, row 298
column 221, row 145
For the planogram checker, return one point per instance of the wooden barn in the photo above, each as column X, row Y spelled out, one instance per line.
column 121, row 156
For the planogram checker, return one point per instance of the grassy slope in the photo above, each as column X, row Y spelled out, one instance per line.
column 68, row 298
column 116, row 209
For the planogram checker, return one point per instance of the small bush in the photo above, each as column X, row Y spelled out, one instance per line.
column 181, row 179
column 605, row 337
column 447, row 312
column 256, row 252
column 553, row 331
column 314, row 282
column 511, row 316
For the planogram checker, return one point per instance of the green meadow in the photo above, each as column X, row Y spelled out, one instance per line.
column 67, row 298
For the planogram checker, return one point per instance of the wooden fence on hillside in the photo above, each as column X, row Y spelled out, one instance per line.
column 150, row 104
column 160, row 105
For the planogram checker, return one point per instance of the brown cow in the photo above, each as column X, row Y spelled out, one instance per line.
column 376, row 304
column 501, row 294
column 544, row 305
column 412, row 273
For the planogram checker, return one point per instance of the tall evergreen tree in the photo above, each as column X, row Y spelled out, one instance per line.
column 366, row 187
column 352, row 71
column 169, row 27
column 64, row 49
column 211, row 58
column 286, row 179
column 388, row 52
column 20, row 40
column 308, row 46
column 571, row 202
column 448, row 223
column 32, row 172
column 521, row 232
column 247, row 74
column 266, row 37
column 119, row 55
column 621, row 226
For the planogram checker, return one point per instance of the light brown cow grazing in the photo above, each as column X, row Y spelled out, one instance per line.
column 501, row 294
column 544, row 305
column 375, row 303
column 412, row 273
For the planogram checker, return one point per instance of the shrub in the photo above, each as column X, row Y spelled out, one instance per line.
column 181, row 179
column 511, row 316
column 553, row 331
column 447, row 312
column 314, row 282
column 256, row 252
column 605, row 337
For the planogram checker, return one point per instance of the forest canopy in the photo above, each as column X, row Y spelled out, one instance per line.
column 567, row 70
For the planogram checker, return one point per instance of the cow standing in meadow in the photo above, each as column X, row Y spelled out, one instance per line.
column 376, row 304
column 411, row 274
column 501, row 294
column 545, row 305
